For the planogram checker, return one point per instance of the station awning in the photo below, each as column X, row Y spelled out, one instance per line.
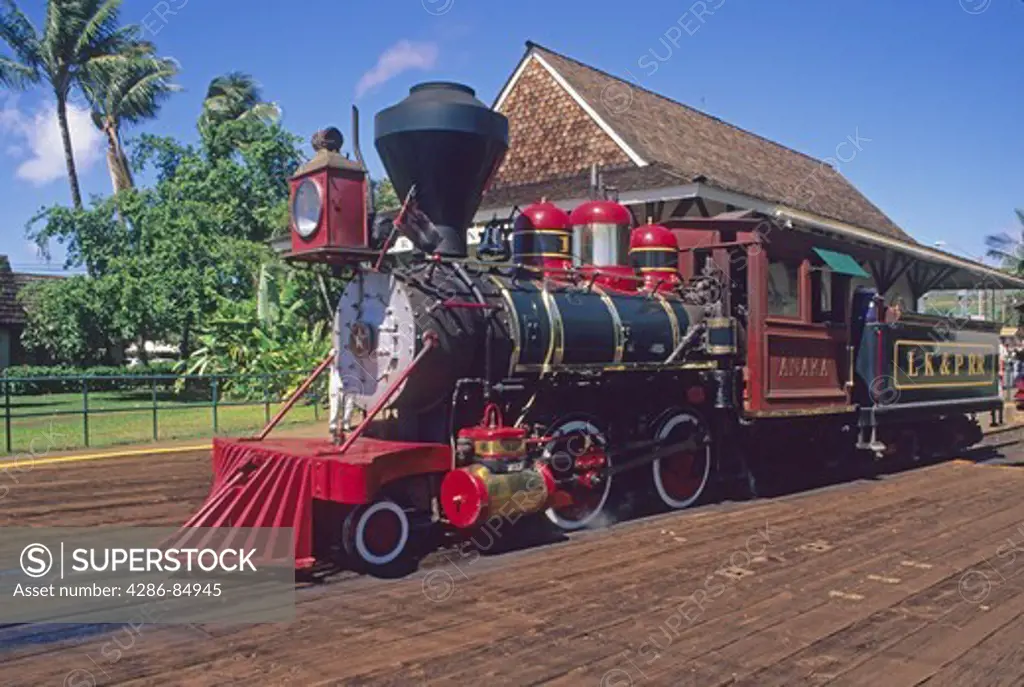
column 841, row 263
column 928, row 269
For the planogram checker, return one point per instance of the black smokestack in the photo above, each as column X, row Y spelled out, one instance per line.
column 449, row 144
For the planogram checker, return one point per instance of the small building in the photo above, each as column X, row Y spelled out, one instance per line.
column 12, row 314
column 668, row 161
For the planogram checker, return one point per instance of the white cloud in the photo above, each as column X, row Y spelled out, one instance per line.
column 37, row 138
column 400, row 57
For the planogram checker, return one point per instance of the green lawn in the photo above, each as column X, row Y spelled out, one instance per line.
column 54, row 422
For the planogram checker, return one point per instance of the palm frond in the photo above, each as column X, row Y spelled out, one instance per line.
column 130, row 87
column 235, row 96
column 1007, row 250
column 264, row 111
column 100, row 26
column 146, row 91
column 21, row 35
column 16, row 75
column 60, row 25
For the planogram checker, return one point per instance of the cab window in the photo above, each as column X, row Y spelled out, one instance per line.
column 821, row 295
column 783, row 289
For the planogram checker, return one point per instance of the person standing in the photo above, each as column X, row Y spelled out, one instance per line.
column 341, row 404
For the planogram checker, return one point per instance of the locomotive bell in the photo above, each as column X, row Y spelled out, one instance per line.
column 447, row 143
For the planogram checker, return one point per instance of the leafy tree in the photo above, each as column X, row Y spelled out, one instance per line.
column 263, row 335
column 184, row 247
column 69, row 320
column 79, row 37
column 384, row 196
column 128, row 91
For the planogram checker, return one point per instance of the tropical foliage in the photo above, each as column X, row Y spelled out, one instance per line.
column 269, row 333
column 384, row 196
column 1007, row 249
column 69, row 320
column 81, row 41
column 182, row 259
column 161, row 260
column 235, row 97
column 130, row 91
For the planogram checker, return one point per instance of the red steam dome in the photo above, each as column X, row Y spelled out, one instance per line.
column 601, row 240
column 542, row 236
column 654, row 253
column 600, row 212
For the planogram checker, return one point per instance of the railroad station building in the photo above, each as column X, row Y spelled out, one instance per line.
column 665, row 160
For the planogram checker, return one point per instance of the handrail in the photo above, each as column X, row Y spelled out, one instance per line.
column 299, row 393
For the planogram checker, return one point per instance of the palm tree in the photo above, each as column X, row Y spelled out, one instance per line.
column 128, row 91
column 1008, row 250
column 79, row 36
column 235, row 97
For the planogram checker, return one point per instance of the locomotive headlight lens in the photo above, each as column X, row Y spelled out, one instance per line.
column 307, row 208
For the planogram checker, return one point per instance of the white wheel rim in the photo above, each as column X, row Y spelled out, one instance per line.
column 665, row 431
column 403, row 538
column 551, row 513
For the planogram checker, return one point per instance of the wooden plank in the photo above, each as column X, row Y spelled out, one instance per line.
column 573, row 612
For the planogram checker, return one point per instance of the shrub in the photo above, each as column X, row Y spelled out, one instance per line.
column 55, row 379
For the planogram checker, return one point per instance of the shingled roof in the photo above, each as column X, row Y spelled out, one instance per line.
column 664, row 142
column 11, row 311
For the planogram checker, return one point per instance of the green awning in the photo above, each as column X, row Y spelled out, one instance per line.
column 841, row 263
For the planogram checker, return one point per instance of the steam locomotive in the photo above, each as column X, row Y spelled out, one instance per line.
column 571, row 354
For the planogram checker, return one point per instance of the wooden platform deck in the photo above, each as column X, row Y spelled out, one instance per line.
column 911, row 579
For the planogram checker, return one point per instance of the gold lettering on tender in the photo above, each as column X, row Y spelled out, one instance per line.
column 976, row 364
column 929, row 370
column 945, row 362
column 944, row 366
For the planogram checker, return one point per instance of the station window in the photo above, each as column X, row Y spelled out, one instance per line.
column 783, row 289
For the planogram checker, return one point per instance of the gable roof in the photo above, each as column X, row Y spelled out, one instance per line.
column 11, row 283
column 692, row 146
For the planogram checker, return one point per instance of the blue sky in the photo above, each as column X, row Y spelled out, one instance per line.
column 935, row 95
